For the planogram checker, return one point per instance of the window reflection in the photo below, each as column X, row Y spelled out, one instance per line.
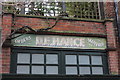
column 71, row 59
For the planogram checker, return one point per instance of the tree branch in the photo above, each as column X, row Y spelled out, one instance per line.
column 31, row 29
column 22, row 28
column 57, row 19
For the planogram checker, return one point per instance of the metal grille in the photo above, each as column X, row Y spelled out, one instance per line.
column 43, row 8
column 89, row 10
column 83, row 9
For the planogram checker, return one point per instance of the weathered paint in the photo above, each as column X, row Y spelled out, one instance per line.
column 60, row 41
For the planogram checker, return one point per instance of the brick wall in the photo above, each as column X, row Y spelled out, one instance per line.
column 118, row 6
column 6, row 26
column 119, row 56
column 72, row 25
column 112, row 45
column 6, row 30
column 110, row 13
column 109, row 9
column 80, row 26
column 6, row 59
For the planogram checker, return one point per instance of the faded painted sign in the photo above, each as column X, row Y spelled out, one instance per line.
column 57, row 41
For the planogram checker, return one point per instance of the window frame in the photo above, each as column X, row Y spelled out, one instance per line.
column 61, row 66
column 104, row 59
column 14, row 60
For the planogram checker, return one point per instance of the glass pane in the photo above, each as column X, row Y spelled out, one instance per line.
column 23, row 58
column 37, row 69
column 71, row 59
column 84, row 70
column 51, row 59
column 51, row 69
column 84, row 59
column 22, row 69
column 97, row 70
column 71, row 70
column 38, row 58
column 96, row 60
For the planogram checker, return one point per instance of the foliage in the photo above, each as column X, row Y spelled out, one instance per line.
column 80, row 9
column 10, row 8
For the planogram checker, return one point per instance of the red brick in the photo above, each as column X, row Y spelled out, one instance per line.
column 62, row 25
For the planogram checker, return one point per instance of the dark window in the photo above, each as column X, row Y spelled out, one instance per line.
column 58, row 62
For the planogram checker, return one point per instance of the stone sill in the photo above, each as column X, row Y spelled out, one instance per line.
column 68, row 18
column 64, row 18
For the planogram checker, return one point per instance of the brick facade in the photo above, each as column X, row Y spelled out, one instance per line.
column 80, row 26
column 118, row 16
column 111, row 41
column 98, row 28
column 109, row 10
column 6, row 30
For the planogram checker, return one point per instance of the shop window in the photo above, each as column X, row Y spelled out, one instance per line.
column 58, row 62
column 37, row 63
column 84, row 64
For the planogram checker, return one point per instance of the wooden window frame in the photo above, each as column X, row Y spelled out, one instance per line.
column 61, row 57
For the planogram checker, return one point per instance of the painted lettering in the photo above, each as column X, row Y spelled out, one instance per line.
column 22, row 40
column 97, row 43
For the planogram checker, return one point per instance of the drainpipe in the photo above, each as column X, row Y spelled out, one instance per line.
column 0, row 27
column 0, row 37
column 0, row 40
column 117, row 19
column 118, row 28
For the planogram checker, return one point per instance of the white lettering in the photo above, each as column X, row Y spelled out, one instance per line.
column 23, row 40
column 47, row 40
column 39, row 40
column 61, row 41
column 98, row 44
column 79, row 42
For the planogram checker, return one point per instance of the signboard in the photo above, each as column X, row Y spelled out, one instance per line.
column 56, row 41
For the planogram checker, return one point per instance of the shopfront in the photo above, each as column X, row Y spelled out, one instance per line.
column 58, row 55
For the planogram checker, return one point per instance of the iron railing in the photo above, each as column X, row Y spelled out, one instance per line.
column 91, row 10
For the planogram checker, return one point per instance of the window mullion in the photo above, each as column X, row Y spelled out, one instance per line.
column 78, row 64
column 30, row 63
column 105, row 65
column 44, row 63
column 14, row 63
column 90, row 64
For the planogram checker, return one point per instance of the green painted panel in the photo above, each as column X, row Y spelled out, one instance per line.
column 57, row 41
column 24, row 40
